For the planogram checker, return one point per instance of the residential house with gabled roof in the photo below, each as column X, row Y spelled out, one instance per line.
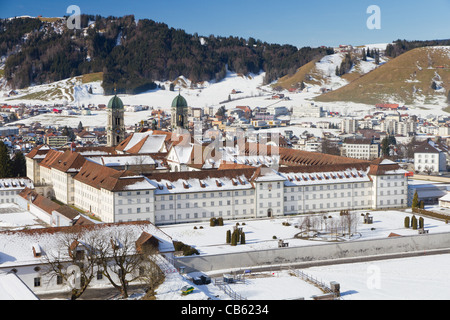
column 86, row 137
column 430, row 157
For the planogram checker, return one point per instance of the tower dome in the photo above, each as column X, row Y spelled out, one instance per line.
column 115, row 103
column 179, row 113
column 179, row 102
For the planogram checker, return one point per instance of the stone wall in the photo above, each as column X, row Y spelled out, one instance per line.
column 320, row 254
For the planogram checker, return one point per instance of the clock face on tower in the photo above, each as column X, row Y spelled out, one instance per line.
column 118, row 131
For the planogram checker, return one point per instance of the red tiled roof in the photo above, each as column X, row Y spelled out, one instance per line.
column 68, row 160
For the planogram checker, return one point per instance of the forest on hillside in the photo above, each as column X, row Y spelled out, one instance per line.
column 401, row 46
column 132, row 54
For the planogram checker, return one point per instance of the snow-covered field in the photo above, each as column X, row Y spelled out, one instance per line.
column 414, row 278
column 397, row 279
column 259, row 233
column 251, row 92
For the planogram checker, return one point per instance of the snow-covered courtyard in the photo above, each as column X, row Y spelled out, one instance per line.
column 423, row 277
column 259, row 233
column 396, row 279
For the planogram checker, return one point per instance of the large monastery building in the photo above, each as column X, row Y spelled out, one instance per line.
column 170, row 177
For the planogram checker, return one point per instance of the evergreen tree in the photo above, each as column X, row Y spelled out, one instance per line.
column 421, row 223
column 303, row 86
column 415, row 201
column 364, row 55
column 242, row 238
column 414, row 222
column 385, row 147
column 18, row 165
column 5, row 161
column 80, row 126
column 433, row 85
column 407, row 222
column 68, row 132
column 228, row 236
column 234, row 239
column 377, row 58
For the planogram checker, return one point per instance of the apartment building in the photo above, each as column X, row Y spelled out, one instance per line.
column 365, row 149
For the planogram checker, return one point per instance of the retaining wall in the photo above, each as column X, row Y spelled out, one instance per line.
column 363, row 249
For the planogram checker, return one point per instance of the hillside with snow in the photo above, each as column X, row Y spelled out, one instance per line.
column 248, row 90
column 419, row 77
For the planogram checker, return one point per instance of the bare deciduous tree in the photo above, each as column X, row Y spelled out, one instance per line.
column 74, row 261
column 112, row 252
column 121, row 261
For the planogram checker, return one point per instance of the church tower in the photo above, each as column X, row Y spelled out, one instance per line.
column 179, row 113
column 116, row 126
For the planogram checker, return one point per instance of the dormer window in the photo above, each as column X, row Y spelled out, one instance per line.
column 37, row 252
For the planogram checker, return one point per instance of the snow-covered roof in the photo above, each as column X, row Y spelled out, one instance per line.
column 12, row 288
column 445, row 198
column 16, row 248
column 120, row 160
column 209, row 184
column 319, row 178
column 15, row 183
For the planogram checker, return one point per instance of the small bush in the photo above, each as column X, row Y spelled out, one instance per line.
column 187, row 250
column 274, row 237
column 407, row 222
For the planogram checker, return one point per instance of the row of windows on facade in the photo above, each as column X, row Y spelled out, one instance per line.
column 7, row 193
column 187, row 205
column 425, row 161
column 7, row 200
column 419, row 155
column 244, row 201
column 298, row 208
column 342, row 204
column 244, row 192
column 228, row 193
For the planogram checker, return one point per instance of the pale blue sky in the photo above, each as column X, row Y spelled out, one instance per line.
column 296, row 22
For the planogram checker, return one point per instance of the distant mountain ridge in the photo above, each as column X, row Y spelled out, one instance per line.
column 132, row 54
